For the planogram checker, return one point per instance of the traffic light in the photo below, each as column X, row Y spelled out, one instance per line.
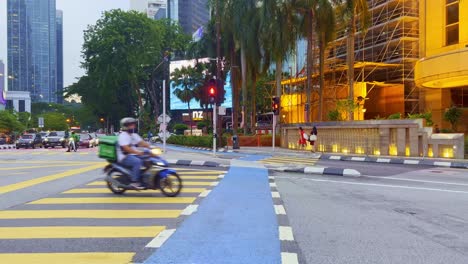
column 276, row 105
column 212, row 91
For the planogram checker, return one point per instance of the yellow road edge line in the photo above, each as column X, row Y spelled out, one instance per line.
column 69, row 258
column 89, row 214
column 105, row 190
column 116, row 200
column 29, row 183
column 47, row 232
column 43, row 166
column 184, row 183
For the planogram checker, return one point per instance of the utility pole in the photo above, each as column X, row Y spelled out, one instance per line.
column 218, row 75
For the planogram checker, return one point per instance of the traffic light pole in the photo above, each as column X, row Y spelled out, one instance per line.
column 215, row 116
column 218, row 74
column 273, row 143
column 164, row 123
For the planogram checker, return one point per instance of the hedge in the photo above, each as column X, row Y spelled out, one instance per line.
column 194, row 141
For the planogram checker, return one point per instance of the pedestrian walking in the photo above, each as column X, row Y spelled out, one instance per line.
column 313, row 138
column 302, row 138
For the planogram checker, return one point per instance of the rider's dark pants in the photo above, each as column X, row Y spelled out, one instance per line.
column 135, row 164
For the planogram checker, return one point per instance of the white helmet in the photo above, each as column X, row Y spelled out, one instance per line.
column 125, row 122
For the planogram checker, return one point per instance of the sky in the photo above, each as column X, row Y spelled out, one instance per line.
column 77, row 15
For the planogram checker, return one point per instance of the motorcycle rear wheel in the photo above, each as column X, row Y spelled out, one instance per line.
column 115, row 189
column 171, row 185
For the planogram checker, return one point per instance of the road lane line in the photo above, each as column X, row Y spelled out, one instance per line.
column 162, row 237
column 185, row 183
column 105, row 190
column 29, row 183
column 382, row 185
column 47, row 232
column 275, row 195
column 96, row 214
column 204, row 193
column 116, row 200
column 414, row 180
column 286, row 233
column 69, row 258
column 42, row 166
column 190, row 209
column 279, row 210
column 289, row 258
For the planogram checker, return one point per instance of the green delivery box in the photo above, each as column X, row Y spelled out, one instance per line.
column 108, row 148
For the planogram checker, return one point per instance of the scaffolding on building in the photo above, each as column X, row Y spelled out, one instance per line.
column 384, row 54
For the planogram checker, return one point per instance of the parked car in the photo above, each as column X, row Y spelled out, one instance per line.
column 29, row 141
column 54, row 139
column 85, row 140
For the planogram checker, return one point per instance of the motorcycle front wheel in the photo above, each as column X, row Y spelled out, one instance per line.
column 171, row 185
column 112, row 186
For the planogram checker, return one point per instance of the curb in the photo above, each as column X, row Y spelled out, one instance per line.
column 320, row 171
column 6, row 147
column 436, row 163
column 194, row 163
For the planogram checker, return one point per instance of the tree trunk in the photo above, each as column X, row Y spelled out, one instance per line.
column 191, row 118
column 279, row 77
column 350, row 55
column 244, row 86
column 253, row 119
column 322, row 77
column 310, row 59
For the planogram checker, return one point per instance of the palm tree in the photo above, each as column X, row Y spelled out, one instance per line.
column 279, row 23
column 325, row 24
column 187, row 79
column 355, row 11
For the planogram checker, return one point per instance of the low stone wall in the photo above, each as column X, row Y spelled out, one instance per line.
column 377, row 137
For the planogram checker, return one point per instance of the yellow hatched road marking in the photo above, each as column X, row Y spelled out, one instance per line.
column 48, row 162
column 69, row 258
column 198, row 177
column 185, row 183
column 116, row 200
column 29, row 183
column 105, row 190
column 99, row 214
column 45, row 232
column 42, row 166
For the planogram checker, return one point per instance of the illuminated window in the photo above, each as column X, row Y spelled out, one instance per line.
column 452, row 22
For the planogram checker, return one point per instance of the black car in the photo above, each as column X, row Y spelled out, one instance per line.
column 29, row 141
column 54, row 139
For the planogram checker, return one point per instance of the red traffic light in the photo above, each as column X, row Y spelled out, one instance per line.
column 276, row 105
column 212, row 91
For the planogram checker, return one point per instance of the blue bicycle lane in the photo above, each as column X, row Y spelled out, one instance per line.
column 236, row 223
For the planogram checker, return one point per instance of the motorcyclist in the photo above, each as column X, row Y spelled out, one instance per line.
column 75, row 138
column 127, row 152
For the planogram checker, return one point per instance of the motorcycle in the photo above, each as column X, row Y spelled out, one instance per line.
column 156, row 174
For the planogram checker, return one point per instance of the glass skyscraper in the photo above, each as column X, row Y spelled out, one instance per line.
column 32, row 48
column 59, row 27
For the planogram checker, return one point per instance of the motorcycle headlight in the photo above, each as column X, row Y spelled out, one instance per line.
column 156, row 151
column 17, row 141
column 30, row 141
column 62, row 139
column 46, row 140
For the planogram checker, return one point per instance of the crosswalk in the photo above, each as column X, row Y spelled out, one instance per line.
column 89, row 224
column 289, row 160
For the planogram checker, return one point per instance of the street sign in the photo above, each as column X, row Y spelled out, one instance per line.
column 40, row 122
column 222, row 110
column 161, row 117
column 162, row 127
column 161, row 134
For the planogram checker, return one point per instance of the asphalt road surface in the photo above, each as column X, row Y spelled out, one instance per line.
column 55, row 208
column 395, row 214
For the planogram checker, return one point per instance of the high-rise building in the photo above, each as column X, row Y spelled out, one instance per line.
column 155, row 9
column 2, row 76
column 32, row 48
column 193, row 14
column 59, row 27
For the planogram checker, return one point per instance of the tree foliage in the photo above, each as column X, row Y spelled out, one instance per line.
column 9, row 122
column 453, row 115
column 120, row 55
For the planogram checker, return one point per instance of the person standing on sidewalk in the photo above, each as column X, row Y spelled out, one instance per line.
column 313, row 138
column 302, row 138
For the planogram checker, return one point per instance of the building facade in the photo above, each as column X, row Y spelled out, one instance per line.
column 442, row 71
column 32, row 48
column 59, row 27
column 154, row 9
column 193, row 14
column 2, row 76
column 19, row 101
